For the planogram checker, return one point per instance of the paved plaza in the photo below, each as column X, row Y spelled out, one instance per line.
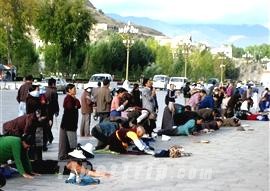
column 232, row 160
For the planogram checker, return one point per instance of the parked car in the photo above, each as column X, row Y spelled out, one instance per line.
column 60, row 83
column 93, row 81
column 210, row 82
column 179, row 82
column 160, row 81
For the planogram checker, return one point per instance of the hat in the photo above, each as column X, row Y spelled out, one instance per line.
column 28, row 139
column 77, row 154
column 88, row 147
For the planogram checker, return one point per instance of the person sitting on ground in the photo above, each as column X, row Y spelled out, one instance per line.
column 15, row 148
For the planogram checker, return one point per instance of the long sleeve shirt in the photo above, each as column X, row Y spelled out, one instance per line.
column 11, row 148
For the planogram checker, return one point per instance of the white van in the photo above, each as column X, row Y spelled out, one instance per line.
column 179, row 82
column 99, row 78
column 160, row 81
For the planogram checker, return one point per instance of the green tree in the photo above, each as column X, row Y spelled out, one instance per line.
column 15, row 25
column 65, row 23
column 237, row 52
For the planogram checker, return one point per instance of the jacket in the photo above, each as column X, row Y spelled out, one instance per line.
column 25, row 124
column 71, row 114
column 103, row 99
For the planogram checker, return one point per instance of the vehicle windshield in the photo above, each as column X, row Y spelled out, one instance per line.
column 159, row 78
column 98, row 78
column 177, row 80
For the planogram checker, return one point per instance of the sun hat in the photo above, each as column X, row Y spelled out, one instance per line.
column 77, row 154
column 88, row 147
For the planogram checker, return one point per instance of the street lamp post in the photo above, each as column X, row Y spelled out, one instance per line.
column 186, row 52
column 222, row 66
column 127, row 32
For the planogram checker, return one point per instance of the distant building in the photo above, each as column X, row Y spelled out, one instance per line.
column 224, row 49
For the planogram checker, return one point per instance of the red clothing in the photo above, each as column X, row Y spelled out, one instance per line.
column 71, row 115
column 25, row 124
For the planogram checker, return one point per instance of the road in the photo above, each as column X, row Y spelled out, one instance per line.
column 232, row 161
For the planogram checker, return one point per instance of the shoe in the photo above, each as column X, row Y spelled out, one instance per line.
column 51, row 140
column 45, row 148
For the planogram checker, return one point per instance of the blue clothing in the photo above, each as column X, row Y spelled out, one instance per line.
column 115, row 113
column 85, row 180
column 188, row 127
column 207, row 102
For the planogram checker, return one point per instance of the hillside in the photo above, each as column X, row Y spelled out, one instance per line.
column 213, row 34
column 102, row 18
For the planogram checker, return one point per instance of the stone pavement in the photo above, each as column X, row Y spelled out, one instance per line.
column 232, row 161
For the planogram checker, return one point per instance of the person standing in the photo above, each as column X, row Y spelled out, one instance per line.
column 69, row 123
column 94, row 101
column 186, row 92
column 53, row 108
column 148, row 100
column 23, row 93
column 103, row 99
column 86, row 111
column 136, row 96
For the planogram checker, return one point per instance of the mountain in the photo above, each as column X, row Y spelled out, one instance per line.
column 100, row 17
column 212, row 34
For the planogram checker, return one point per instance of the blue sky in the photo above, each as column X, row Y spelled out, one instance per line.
column 192, row 11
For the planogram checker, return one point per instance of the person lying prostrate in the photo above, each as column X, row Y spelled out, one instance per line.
column 15, row 148
column 121, row 138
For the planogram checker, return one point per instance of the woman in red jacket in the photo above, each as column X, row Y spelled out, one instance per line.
column 69, row 124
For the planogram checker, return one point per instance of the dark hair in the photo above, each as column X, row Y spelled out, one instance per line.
column 51, row 81
column 106, row 82
column 28, row 139
column 135, row 86
column 99, row 83
column 187, row 107
column 69, row 86
column 29, row 78
column 145, row 80
column 203, row 91
column 121, row 90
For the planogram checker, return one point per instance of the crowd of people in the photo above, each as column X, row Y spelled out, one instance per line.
column 125, row 118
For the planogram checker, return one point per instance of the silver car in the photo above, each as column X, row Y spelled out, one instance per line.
column 60, row 83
